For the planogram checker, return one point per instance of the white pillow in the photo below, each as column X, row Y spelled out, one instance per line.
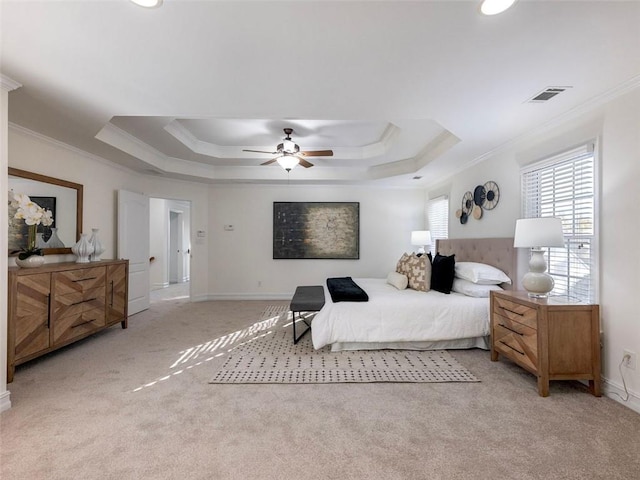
column 398, row 280
column 471, row 289
column 481, row 273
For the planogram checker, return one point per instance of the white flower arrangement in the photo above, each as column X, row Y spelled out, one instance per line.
column 33, row 215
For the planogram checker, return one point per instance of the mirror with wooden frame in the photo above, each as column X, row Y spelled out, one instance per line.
column 63, row 198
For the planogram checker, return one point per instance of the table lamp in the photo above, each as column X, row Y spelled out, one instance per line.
column 421, row 238
column 537, row 234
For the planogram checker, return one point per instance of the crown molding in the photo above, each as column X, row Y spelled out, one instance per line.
column 65, row 146
column 8, row 84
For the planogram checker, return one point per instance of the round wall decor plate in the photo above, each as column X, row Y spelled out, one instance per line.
column 467, row 203
column 479, row 195
column 477, row 212
column 492, row 195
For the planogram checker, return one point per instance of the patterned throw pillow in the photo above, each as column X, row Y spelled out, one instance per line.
column 419, row 272
column 401, row 266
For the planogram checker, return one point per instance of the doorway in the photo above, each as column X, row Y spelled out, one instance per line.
column 170, row 249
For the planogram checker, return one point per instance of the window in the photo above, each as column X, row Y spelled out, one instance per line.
column 438, row 220
column 564, row 186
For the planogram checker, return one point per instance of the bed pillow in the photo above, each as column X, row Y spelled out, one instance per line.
column 398, row 280
column 418, row 271
column 481, row 273
column 471, row 289
column 442, row 273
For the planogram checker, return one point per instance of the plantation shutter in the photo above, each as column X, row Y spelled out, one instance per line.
column 438, row 220
column 564, row 186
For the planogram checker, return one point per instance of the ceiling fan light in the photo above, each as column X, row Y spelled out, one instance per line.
column 287, row 162
column 288, row 146
column 493, row 7
column 148, row 3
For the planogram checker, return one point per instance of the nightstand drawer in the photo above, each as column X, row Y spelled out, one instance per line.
column 516, row 312
column 516, row 341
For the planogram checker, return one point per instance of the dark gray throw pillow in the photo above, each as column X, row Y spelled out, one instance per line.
column 443, row 270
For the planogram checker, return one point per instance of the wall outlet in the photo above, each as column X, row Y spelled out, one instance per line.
column 228, row 228
column 629, row 359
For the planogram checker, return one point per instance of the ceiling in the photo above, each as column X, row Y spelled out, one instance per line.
column 397, row 89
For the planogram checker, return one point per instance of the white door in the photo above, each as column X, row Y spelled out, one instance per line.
column 133, row 244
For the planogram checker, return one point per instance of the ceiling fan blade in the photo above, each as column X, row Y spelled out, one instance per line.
column 317, row 153
column 269, row 162
column 304, row 163
column 260, row 151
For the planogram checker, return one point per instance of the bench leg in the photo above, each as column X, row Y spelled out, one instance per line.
column 296, row 339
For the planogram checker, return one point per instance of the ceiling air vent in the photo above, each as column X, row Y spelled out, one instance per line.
column 547, row 94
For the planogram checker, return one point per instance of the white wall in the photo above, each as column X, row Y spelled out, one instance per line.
column 242, row 264
column 616, row 127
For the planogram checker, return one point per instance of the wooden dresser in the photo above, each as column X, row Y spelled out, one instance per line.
column 60, row 303
column 552, row 338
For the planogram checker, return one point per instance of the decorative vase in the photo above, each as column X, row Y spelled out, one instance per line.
column 98, row 249
column 54, row 240
column 82, row 249
column 32, row 261
column 40, row 243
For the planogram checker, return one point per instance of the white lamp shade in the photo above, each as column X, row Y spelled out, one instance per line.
column 421, row 237
column 538, row 232
column 287, row 161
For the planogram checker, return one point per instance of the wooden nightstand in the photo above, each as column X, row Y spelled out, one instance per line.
column 555, row 339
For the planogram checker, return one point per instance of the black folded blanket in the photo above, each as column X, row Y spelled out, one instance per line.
column 344, row 289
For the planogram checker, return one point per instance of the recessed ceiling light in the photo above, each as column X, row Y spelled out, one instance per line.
column 148, row 3
column 493, row 7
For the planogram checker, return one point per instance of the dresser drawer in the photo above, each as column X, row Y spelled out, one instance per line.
column 74, row 281
column 78, row 302
column 516, row 312
column 516, row 341
column 77, row 325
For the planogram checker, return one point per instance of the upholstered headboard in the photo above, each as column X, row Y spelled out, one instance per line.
column 498, row 252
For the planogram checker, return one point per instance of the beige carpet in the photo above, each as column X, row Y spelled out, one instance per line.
column 136, row 404
column 272, row 357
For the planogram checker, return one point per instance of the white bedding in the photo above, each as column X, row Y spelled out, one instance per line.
column 393, row 316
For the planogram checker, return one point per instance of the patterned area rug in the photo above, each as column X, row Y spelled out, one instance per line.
column 272, row 357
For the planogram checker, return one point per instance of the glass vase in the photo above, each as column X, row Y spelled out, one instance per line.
column 31, row 238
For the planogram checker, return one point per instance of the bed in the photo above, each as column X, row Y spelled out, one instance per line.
column 409, row 319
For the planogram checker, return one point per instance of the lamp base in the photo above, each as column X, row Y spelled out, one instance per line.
column 538, row 284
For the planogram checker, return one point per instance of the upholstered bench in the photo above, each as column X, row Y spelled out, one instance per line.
column 306, row 299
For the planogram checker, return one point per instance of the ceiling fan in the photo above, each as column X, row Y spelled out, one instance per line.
column 289, row 154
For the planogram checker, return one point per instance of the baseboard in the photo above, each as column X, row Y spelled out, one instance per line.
column 158, row 286
column 5, row 400
column 612, row 390
column 242, row 296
